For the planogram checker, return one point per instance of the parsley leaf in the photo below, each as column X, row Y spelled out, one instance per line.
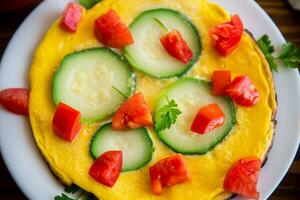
column 88, row 3
column 167, row 115
column 71, row 189
column 62, row 197
column 267, row 48
column 290, row 55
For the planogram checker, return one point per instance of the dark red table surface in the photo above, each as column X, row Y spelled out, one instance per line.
column 288, row 21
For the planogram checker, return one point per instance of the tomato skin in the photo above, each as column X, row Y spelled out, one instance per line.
column 242, row 177
column 177, row 47
column 110, row 31
column 220, row 81
column 243, row 92
column 208, row 118
column 66, row 122
column 107, row 168
column 15, row 100
column 133, row 113
column 226, row 36
column 168, row 172
column 71, row 17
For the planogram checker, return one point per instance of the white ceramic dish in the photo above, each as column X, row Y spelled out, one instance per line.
column 22, row 156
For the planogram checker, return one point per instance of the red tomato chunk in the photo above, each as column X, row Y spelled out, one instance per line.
column 226, row 36
column 15, row 100
column 133, row 113
column 71, row 17
column 177, row 47
column 66, row 122
column 111, row 32
column 107, row 168
column 220, row 81
column 168, row 172
column 242, row 177
column 208, row 118
column 243, row 92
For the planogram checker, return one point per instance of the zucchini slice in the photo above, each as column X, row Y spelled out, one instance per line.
column 147, row 53
column 135, row 144
column 85, row 81
column 191, row 94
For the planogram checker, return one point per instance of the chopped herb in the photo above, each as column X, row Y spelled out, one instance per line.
column 71, row 189
column 116, row 89
column 63, row 197
column 289, row 54
column 88, row 3
column 167, row 115
column 162, row 25
column 76, row 193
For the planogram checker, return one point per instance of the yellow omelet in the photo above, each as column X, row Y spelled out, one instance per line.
column 251, row 136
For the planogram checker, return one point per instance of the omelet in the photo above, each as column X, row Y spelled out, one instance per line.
column 251, row 136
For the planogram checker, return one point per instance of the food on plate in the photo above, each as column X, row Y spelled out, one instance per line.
column 71, row 17
column 15, row 100
column 116, row 91
column 136, row 145
column 242, row 177
column 66, row 122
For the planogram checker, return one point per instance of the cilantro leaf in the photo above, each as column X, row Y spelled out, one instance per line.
column 268, row 49
column 71, row 189
column 62, row 197
column 290, row 55
column 167, row 115
column 88, row 3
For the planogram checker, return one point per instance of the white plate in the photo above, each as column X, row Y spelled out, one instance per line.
column 31, row 172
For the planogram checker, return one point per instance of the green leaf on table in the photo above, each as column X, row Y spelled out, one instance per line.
column 167, row 115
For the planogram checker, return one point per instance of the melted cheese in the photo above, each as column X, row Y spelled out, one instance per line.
column 252, row 134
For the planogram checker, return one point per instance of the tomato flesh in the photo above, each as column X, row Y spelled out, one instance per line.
column 220, row 81
column 208, row 118
column 110, row 31
column 71, row 17
column 66, row 122
column 243, row 92
column 168, row 172
column 133, row 113
column 226, row 36
column 177, row 47
column 242, row 177
column 107, row 168
column 15, row 100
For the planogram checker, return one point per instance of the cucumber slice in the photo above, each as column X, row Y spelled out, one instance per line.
column 191, row 94
column 85, row 80
column 136, row 145
column 147, row 53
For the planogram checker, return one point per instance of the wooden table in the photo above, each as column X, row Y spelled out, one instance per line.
column 284, row 16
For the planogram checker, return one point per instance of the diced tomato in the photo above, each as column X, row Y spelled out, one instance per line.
column 71, row 17
column 208, row 118
column 66, row 122
column 177, row 47
column 220, row 81
column 107, row 168
column 110, row 31
column 226, row 36
column 15, row 100
column 133, row 113
column 167, row 172
column 242, row 177
column 242, row 91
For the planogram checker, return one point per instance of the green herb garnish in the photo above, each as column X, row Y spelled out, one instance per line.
column 75, row 193
column 289, row 54
column 167, row 115
column 88, row 3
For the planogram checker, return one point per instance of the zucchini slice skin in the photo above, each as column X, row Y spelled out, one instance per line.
column 80, row 63
column 136, row 145
column 179, row 137
column 138, row 58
